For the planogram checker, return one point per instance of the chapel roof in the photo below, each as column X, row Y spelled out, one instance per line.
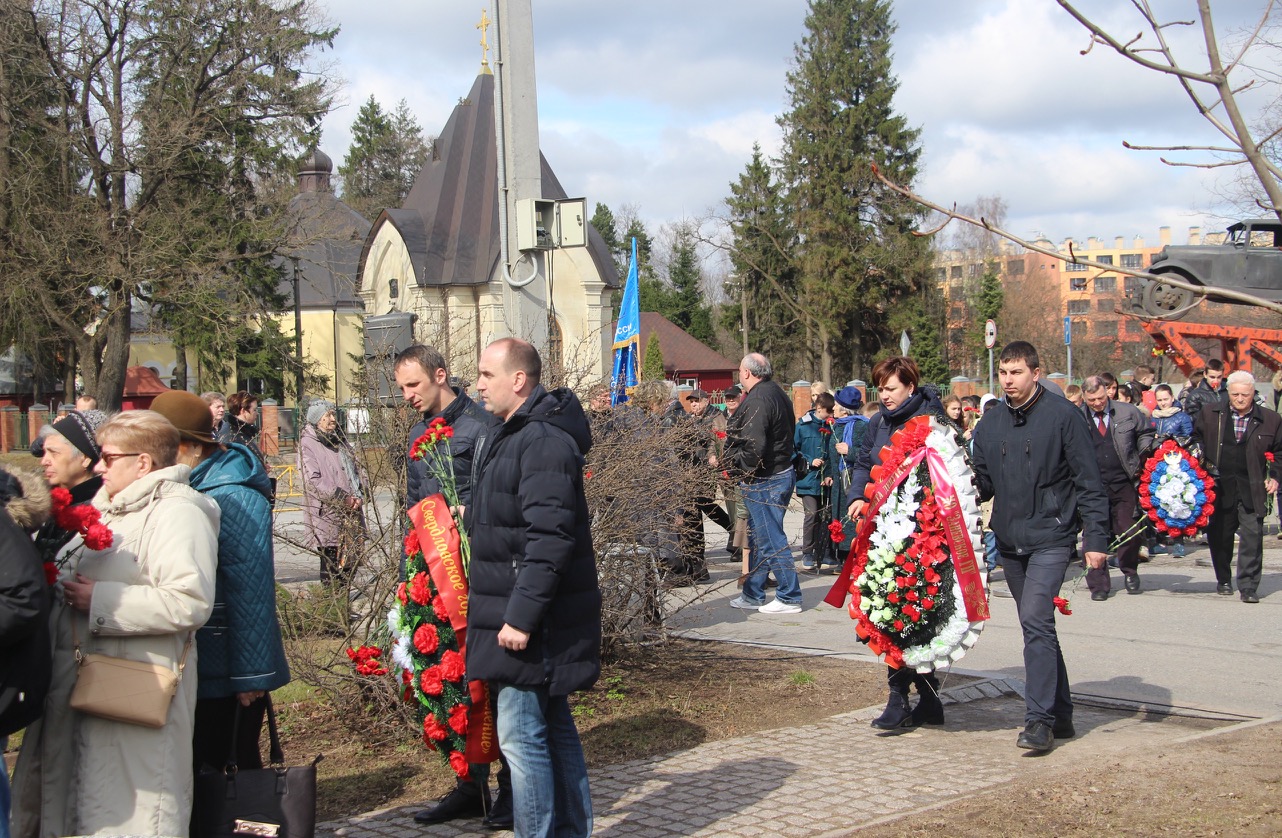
column 449, row 221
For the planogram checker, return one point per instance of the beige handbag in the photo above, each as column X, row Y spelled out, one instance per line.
column 123, row 690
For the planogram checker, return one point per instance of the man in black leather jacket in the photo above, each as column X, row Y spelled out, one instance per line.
column 759, row 453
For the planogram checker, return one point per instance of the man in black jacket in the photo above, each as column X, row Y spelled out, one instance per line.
column 534, row 609
column 1036, row 460
column 1237, row 439
column 759, row 452
column 1122, row 438
column 424, row 381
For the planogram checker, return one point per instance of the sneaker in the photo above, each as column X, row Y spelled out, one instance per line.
column 1178, row 550
column 777, row 607
column 808, row 562
column 740, row 602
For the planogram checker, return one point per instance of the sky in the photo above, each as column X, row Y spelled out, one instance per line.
column 658, row 105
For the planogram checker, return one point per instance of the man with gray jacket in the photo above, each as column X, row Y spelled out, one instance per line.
column 1122, row 438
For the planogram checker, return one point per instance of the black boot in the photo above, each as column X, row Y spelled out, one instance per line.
column 929, row 709
column 896, row 715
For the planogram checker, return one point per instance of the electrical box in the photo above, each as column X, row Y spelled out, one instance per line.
column 572, row 223
column 535, row 224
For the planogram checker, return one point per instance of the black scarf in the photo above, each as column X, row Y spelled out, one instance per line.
column 907, row 410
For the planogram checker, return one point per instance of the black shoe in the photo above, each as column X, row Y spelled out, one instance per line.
column 1063, row 729
column 1036, row 737
column 770, row 583
column 702, row 576
column 456, row 804
column 1099, row 596
column 1249, row 596
column 1132, row 583
column 812, row 570
column 500, row 816
column 1224, row 589
column 896, row 716
column 929, row 709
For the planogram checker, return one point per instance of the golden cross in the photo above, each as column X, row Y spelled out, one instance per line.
column 485, row 44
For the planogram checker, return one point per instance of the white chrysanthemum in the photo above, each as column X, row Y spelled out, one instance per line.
column 401, row 655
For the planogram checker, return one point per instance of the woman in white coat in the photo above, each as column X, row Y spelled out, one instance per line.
column 142, row 598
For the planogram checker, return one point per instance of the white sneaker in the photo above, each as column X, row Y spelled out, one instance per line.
column 740, row 602
column 774, row 606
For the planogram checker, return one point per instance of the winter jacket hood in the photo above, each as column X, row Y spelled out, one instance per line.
column 25, row 496
column 237, row 466
column 560, row 408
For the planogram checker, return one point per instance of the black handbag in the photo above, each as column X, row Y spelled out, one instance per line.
column 272, row 802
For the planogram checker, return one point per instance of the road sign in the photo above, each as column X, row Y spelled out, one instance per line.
column 990, row 334
column 1068, row 332
column 904, row 343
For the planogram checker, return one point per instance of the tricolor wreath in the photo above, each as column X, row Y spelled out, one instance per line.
column 917, row 591
column 1175, row 491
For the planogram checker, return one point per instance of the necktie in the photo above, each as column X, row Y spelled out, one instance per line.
column 1103, row 429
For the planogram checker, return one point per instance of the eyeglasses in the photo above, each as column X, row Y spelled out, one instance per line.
column 110, row 459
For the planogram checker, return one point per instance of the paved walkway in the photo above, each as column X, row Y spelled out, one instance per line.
column 825, row 779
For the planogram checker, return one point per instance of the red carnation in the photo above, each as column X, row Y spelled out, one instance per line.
column 61, row 498
column 98, row 537
column 719, row 434
column 1062, row 605
column 406, row 676
column 893, row 597
column 932, row 589
column 910, row 568
column 411, row 543
column 900, row 560
column 452, row 667
column 51, row 573
column 912, row 596
column 408, row 695
column 1268, row 455
column 459, row 763
column 425, row 639
column 418, row 589
column 438, row 608
column 430, row 681
column 836, row 531
column 587, row 475
column 458, row 719
column 927, row 603
column 902, row 581
column 434, row 730
column 401, row 595
column 899, row 625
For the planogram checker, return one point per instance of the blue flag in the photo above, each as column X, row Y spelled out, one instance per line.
column 627, row 339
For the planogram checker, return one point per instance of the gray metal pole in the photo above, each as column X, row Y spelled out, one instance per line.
column 1069, row 349
column 990, row 369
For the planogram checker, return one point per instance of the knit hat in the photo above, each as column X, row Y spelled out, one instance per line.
column 188, row 413
column 850, row 398
column 317, row 410
column 78, row 429
column 984, row 400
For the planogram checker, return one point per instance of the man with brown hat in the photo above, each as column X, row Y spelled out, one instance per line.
column 240, row 651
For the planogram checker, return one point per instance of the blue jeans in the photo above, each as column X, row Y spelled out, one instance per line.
column 1034, row 580
column 550, row 795
column 990, row 550
column 766, row 500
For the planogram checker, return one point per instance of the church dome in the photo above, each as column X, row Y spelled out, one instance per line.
column 316, row 162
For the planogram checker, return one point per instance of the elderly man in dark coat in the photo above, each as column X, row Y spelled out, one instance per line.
column 534, row 614
column 1243, row 442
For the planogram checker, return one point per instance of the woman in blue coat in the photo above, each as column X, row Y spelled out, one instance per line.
column 1168, row 419
column 241, row 654
column 810, row 440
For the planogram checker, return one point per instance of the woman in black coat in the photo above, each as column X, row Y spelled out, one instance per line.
column 897, row 382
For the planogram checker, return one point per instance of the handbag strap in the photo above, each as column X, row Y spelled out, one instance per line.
column 182, row 659
column 276, row 756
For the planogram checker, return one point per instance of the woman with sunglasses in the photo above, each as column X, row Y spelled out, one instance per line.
column 142, row 598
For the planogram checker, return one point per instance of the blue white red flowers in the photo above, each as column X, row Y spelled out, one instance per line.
column 1176, row 493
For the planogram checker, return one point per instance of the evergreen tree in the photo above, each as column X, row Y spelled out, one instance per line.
column 652, row 363
column 688, row 309
column 386, row 154
column 988, row 306
column 620, row 251
column 764, row 279
column 925, row 329
column 858, row 254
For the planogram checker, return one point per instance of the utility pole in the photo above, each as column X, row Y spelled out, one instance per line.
column 743, row 313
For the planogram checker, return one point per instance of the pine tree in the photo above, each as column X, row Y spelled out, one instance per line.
column 688, row 309
column 386, row 155
column 620, row 251
column 988, row 306
column 652, row 363
column 858, row 254
column 764, row 279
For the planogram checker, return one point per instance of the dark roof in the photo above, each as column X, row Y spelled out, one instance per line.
column 450, row 219
column 331, row 236
column 681, row 350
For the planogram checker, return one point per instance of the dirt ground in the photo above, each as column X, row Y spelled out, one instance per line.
column 1226, row 784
